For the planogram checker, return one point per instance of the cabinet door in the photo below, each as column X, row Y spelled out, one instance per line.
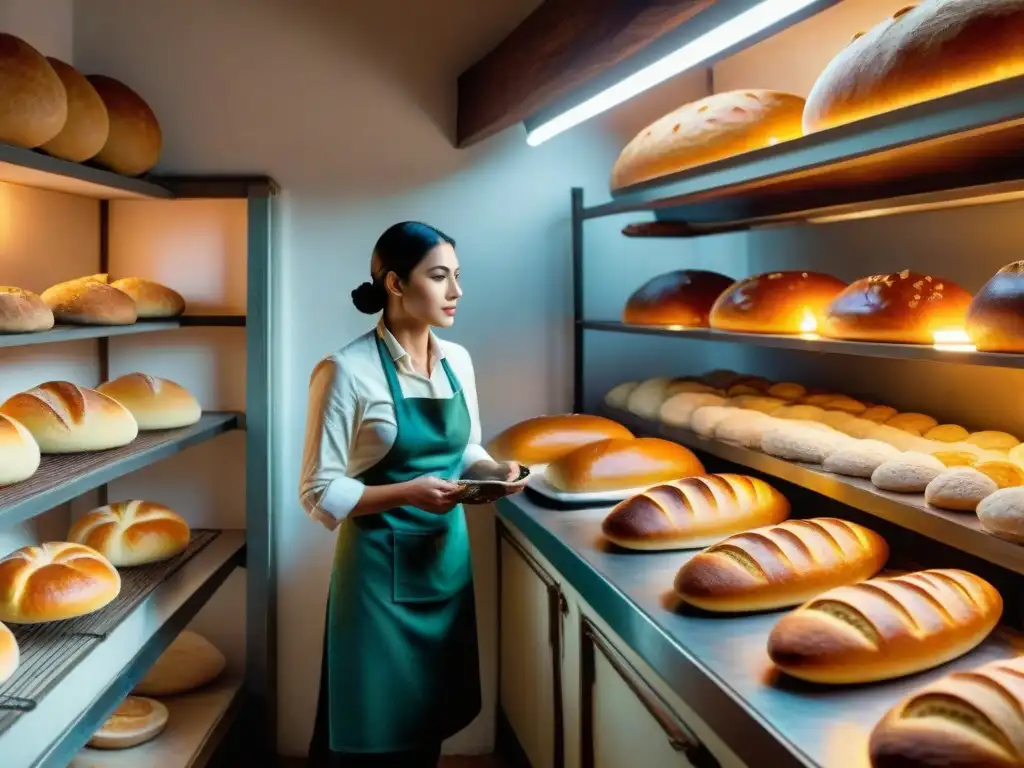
column 530, row 689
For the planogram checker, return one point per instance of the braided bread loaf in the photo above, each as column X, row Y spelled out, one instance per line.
column 886, row 627
column 693, row 512
column 781, row 565
column 973, row 718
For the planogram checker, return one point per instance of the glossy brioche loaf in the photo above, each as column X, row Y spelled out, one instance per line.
column 973, row 718
column 920, row 53
column 622, row 464
column 995, row 318
column 132, row 532
column 56, row 580
column 154, row 402
column 776, row 302
column 152, row 300
column 66, row 418
column 90, row 301
column 886, row 627
column 23, row 311
column 693, row 512
column 10, row 654
column 19, row 452
column 683, row 298
column 543, row 439
column 781, row 565
column 903, row 307
column 713, row 128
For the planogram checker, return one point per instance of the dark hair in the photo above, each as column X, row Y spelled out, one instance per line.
column 399, row 250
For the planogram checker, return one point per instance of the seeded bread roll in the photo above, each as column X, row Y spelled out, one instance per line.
column 694, row 512
column 886, row 627
column 23, row 311
column 621, row 464
column 678, row 410
column 959, row 489
column 781, row 565
column 545, row 438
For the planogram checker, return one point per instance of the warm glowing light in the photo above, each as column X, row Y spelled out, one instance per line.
column 952, row 340
column 674, row 327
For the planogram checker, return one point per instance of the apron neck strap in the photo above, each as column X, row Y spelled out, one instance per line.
column 391, row 372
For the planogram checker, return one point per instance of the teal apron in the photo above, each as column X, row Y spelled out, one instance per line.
column 401, row 657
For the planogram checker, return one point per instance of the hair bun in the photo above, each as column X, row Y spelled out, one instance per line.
column 369, row 298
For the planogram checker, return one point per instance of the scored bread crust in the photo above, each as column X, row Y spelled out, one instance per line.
column 886, row 627
column 693, row 512
column 972, row 718
column 612, row 465
column 542, row 439
column 132, row 532
column 780, row 565
column 152, row 300
column 90, row 301
column 22, row 311
column 154, row 402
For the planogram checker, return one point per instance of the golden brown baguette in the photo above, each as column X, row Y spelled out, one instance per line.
column 691, row 513
column 615, row 465
column 973, row 718
column 886, row 627
column 781, row 565
column 543, row 439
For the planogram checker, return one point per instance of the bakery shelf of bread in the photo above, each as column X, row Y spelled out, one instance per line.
column 62, row 333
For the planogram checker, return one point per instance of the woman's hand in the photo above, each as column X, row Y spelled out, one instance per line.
column 431, row 494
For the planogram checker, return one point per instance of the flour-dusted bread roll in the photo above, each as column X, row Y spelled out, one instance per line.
column 86, row 129
column 946, row 433
column 713, row 128
column 859, row 459
column 746, row 428
column 190, row 662
column 154, row 402
column 1002, row 513
column 90, row 301
column 920, row 53
column 798, row 442
column 886, row 627
column 678, row 410
column 879, row 413
column 545, row 438
column 915, row 423
column 10, row 654
column 135, row 721
column 781, row 565
column 19, row 452
column 617, row 465
column 135, row 140
column 909, row 472
column 704, row 420
column 993, row 440
column 152, row 300
column 959, row 489
column 54, row 581
column 23, row 311
column 776, row 302
column 995, row 319
column 35, row 104
column 693, row 512
column 132, row 532
column 617, row 396
column 682, row 298
column 972, row 718
column 66, row 418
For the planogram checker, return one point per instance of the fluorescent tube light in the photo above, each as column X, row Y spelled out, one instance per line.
column 721, row 38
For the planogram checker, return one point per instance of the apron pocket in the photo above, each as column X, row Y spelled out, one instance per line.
column 430, row 566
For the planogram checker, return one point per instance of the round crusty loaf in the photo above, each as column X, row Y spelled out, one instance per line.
column 780, row 565
column 86, row 129
column 34, row 99
column 713, row 128
column 959, row 489
column 10, row 655
column 135, row 721
column 23, row 311
column 859, row 458
column 621, row 464
column 995, row 318
column 973, row 718
column 19, row 452
column 132, row 532
column 135, row 140
column 693, row 512
column 543, row 439
column 154, row 402
column 903, row 307
column 682, row 298
column 190, row 662
column 909, row 472
column 54, row 581
column 1002, row 514
column 66, row 418
column 90, row 301
column 152, row 300
column 776, row 302
column 885, row 627
column 920, row 53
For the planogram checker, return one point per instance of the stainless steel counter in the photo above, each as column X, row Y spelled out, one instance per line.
column 718, row 665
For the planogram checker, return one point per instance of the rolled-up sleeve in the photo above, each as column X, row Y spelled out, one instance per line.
column 326, row 492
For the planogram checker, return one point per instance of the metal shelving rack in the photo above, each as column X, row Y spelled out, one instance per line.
column 62, row 478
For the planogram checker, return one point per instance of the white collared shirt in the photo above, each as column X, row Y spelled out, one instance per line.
column 350, row 422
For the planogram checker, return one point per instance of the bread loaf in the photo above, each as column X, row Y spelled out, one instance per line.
column 54, row 581
column 152, row 300
column 89, row 301
column 909, row 472
column 746, row 428
column 722, row 378
column 776, row 302
column 87, row 126
column 780, row 565
column 65, row 418
column 886, row 627
column 993, row 440
column 973, row 718
column 545, row 438
column 915, row 423
column 904, row 307
column 19, row 452
column 10, row 654
column 682, row 298
column 34, row 99
column 621, row 464
column 134, row 141
column 135, row 721
column 693, row 512
column 995, row 318
column 1002, row 514
column 859, row 458
column 132, row 532
column 713, row 128
column 946, row 433
column 704, row 420
column 190, row 662
column 920, row 53
column 1006, row 474
column 798, row 442
column 959, row 489
column 846, row 405
column 879, row 413
column 23, row 311
column 648, row 397
column 678, row 410
column 617, row 396
column 785, row 390
column 154, row 402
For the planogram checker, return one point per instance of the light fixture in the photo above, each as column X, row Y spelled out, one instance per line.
column 721, row 38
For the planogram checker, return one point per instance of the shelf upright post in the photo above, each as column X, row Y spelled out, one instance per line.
column 103, row 492
column 578, row 393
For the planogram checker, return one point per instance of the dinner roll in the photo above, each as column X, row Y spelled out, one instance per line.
column 909, row 472
column 960, row 489
column 542, row 439
column 995, row 319
column 132, row 532
column 10, row 654
column 154, row 402
column 34, row 99
column 682, row 298
column 859, row 458
column 1002, row 513
column 776, row 302
column 134, row 141
column 785, row 390
column 23, row 311
column 621, row 464
column 678, row 410
column 87, row 126
column 190, row 662
column 19, row 452
column 152, row 300
column 917, row 423
column 879, row 413
column 90, row 301
column 946, row 433
column 617, row 396
column 135, row 721
column 54, row 581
